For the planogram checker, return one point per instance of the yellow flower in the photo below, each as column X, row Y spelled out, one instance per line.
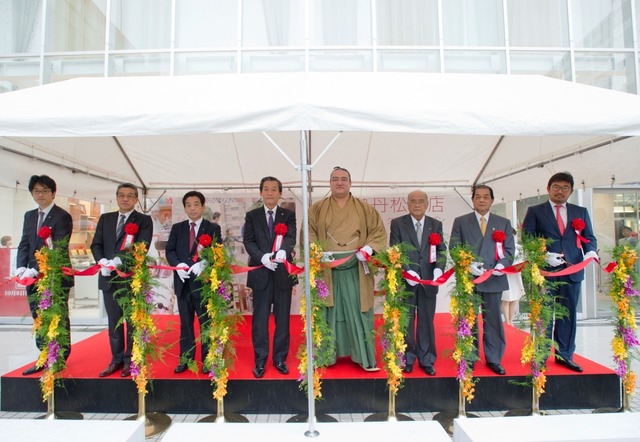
column 53, row 327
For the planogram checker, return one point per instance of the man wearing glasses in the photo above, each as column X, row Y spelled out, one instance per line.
column 347, row 226
column 557, row 220
column 106, row 246
column 43, row 190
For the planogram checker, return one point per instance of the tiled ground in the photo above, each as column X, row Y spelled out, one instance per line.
column 17, row 349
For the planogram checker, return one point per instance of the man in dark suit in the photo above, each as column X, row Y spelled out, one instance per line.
column 109, row 242
column 476, row 229
column 182, row 252
column 272, row 285
column 43, row 190
column 415, row 229
column 554, row 220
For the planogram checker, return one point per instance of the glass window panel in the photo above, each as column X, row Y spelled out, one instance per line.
column 550, row 64
column 19, row 73
column 539, row 23
column 602, row 24
column 140, row 24
column 409, row 61
column 341, row 23
column 473, row 23
column 20, row 26
column 407, row 22
column 67, row 67
column 341, row 61
column 268, row 61
column 637, row 17
column 204, row 62
column 206, row 23
column 607, row 70
column 272, row 23
column 76, row 25
column 139, row 64
column 490, row 62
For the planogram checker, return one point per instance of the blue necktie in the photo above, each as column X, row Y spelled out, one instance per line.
column 270, row 212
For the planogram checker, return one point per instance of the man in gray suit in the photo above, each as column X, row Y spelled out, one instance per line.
column 477, row 230
column 420, row 336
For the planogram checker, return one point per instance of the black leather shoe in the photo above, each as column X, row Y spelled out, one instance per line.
column 32, row 370
column 496, row 368
column 569, row 364
column 282, row 367
column 126, row 372
column 408, row 368
column 258, row 370
column 180, row 368
column 429, row 370
column 111, row 369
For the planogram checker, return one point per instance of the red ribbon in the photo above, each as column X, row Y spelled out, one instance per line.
column 22, row 281
column 580, row 239
column 436, row 282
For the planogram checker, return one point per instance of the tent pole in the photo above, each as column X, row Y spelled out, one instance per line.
column 311, row 432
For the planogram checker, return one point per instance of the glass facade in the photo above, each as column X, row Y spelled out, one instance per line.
column 593, row 42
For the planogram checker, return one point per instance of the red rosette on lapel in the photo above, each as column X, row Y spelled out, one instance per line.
column 280, row 230
column 434, row 241
column 498, row 237
column 204, row 241
column 578, row 225
column 45, row 234
column 131, row 229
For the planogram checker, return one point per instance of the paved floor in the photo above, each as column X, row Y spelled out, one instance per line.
column 17, row 349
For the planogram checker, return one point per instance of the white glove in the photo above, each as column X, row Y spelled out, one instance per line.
column 116, row 262
column 198, row 267
column 104, row 267
column 183, row 271
column 415, row 275
column 436, row 273
column 266, row 261
column 30, row 273
column 476, row 268
column 591, row 254
column 497, row 268
column 366, row 249
column 327, row 257
column 19, row 271
column 554, row 259
column 281, row 256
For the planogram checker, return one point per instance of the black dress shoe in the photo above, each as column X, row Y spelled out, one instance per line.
column 496, row 368
column 569, row 364
column 282, row 367
column 258, row 370
column 408, row 368
column 429, row 370
column 126, row 372
column 32, row 370
column 180, row 368
column 111, row 369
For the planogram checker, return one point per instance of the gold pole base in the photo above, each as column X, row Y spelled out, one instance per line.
column 228, row 417
column 154, row 423
column 385, row 417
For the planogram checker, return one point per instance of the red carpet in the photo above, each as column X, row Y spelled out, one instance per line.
column 92, row 355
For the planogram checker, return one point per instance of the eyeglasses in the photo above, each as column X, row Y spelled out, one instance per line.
column 41, row 191
column 556, row 187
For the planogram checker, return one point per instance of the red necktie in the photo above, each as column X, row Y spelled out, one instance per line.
column 192, row 236
column 559, row 219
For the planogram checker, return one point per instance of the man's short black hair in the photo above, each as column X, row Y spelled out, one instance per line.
column 195, row 193
column 561, row 176
column 481, row 186
column 127, row 186
column 270, row 178
column 44, row 180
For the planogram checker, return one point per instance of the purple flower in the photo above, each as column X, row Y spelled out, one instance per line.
column 535, row 370
column 629, row 336
column 145, row 336
column 222, row 291
column 463, row 329
column 628, row 288
column 148, row 297
column 462, row 370
column 323, row 290
column 135, row 369
column 384, row 343
column 621, row 369
column 52, row 355
column 45, row 300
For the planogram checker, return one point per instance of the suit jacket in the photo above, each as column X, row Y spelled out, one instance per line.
column 106, row 245
column 403, row 230
column 466, row 230
column 257, row 242
column 61, row 226
column 178, row 250
column 540, row 220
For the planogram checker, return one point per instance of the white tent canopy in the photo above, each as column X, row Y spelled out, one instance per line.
column 391, row 130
